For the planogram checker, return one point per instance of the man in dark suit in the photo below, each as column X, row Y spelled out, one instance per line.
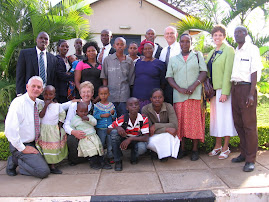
column 35, row 62
column 107, row 49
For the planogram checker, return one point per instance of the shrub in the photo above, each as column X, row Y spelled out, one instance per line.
column 209, row 143
column 4, row 147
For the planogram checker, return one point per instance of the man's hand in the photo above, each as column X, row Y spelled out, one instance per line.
column 30, row 150
column 121, row 131
column 78, row 134
column 125, row 144
column 172, row 131
column 152, row 130
column 250, row 101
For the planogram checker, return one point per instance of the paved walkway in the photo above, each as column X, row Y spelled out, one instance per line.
column 227, row 180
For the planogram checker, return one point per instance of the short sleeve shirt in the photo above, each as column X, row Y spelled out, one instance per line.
column 120, row 76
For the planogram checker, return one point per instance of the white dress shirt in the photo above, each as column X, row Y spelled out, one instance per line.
column 20, row 124
column 45, row 59
column 175, row 50
column 247, row 60
column 106, row 51
column 155, row 49
column 70, row 114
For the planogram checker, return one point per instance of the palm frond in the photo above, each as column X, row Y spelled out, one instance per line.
column 190, row 22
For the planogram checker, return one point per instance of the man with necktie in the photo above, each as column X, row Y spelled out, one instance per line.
column 22, row 129
column 107, row 49
column 173, row 49
column 35, row 62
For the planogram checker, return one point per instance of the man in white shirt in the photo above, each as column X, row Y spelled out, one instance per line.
column 22, row 129
column 246, row 72
column 173, row 49
column 107, row 49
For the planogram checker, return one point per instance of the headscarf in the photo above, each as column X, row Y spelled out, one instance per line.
column 141, row 47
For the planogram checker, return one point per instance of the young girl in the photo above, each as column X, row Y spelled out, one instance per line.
column 52, row 140
column 104, row 112
column 90, row 145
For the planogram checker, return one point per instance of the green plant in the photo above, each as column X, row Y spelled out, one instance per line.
column 7, row 94
column 4, row 147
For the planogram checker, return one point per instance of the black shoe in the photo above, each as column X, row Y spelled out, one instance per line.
column 153, row 155
column 238, row 159
column 118, row 166
column 194, row 155
column 96, row 166
column 55, row 171
column 72, row 164
column 249, row 167
column 134, row 161
column 181, row 154
column 164, row 159
column 105, row 165
column 11, row 167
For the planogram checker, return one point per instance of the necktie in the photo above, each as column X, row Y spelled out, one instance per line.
column 167, row 55
column 100, row 58
column 37, row 126
column 42, row 72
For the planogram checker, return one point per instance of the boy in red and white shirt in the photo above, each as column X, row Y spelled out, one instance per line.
column 129, row 131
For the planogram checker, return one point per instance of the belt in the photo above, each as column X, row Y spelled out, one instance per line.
column 241, row 83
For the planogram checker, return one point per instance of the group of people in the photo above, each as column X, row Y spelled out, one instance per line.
column 149, row 100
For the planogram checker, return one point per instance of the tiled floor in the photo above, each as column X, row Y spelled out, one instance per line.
column 147, row 177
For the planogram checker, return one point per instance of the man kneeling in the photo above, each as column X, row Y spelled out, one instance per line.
column 130, row 130
column 22, row 129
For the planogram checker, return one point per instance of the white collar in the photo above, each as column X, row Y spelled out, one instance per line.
column 108, row 46
column 138, row 119
column 29, row 99
column 39, row 51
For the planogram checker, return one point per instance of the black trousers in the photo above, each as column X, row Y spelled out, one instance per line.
column 72, row 143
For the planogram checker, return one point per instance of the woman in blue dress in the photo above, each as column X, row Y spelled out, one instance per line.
column 149, row 74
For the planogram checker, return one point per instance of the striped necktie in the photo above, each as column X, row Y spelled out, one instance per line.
column 167, row 55
column 42, row 72
column 37, row 126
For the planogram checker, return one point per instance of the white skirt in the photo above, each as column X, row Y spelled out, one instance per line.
column 221, row 117
column 164, row 145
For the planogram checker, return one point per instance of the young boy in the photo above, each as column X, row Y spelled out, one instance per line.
column 104, row 112
column 131, row 130
column 90, row 146
column 118, row 74
column 133, row 51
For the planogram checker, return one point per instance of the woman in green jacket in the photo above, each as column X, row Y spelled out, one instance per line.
column 220, row 64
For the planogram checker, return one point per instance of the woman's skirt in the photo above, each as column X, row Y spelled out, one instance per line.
column 191, row 120
column 164, row 145
column 221, row 117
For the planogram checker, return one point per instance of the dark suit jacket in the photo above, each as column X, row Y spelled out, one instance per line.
column 27, row 66
column 62, row 78
column 112, row 50
column 158, row 52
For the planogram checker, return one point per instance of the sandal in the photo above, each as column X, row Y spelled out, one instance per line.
column 225, row 154
column 215, row 152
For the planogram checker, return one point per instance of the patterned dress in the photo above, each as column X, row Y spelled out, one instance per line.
column 91, row 145
column 52, row 140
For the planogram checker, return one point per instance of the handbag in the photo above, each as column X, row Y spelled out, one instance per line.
column 209, row 91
